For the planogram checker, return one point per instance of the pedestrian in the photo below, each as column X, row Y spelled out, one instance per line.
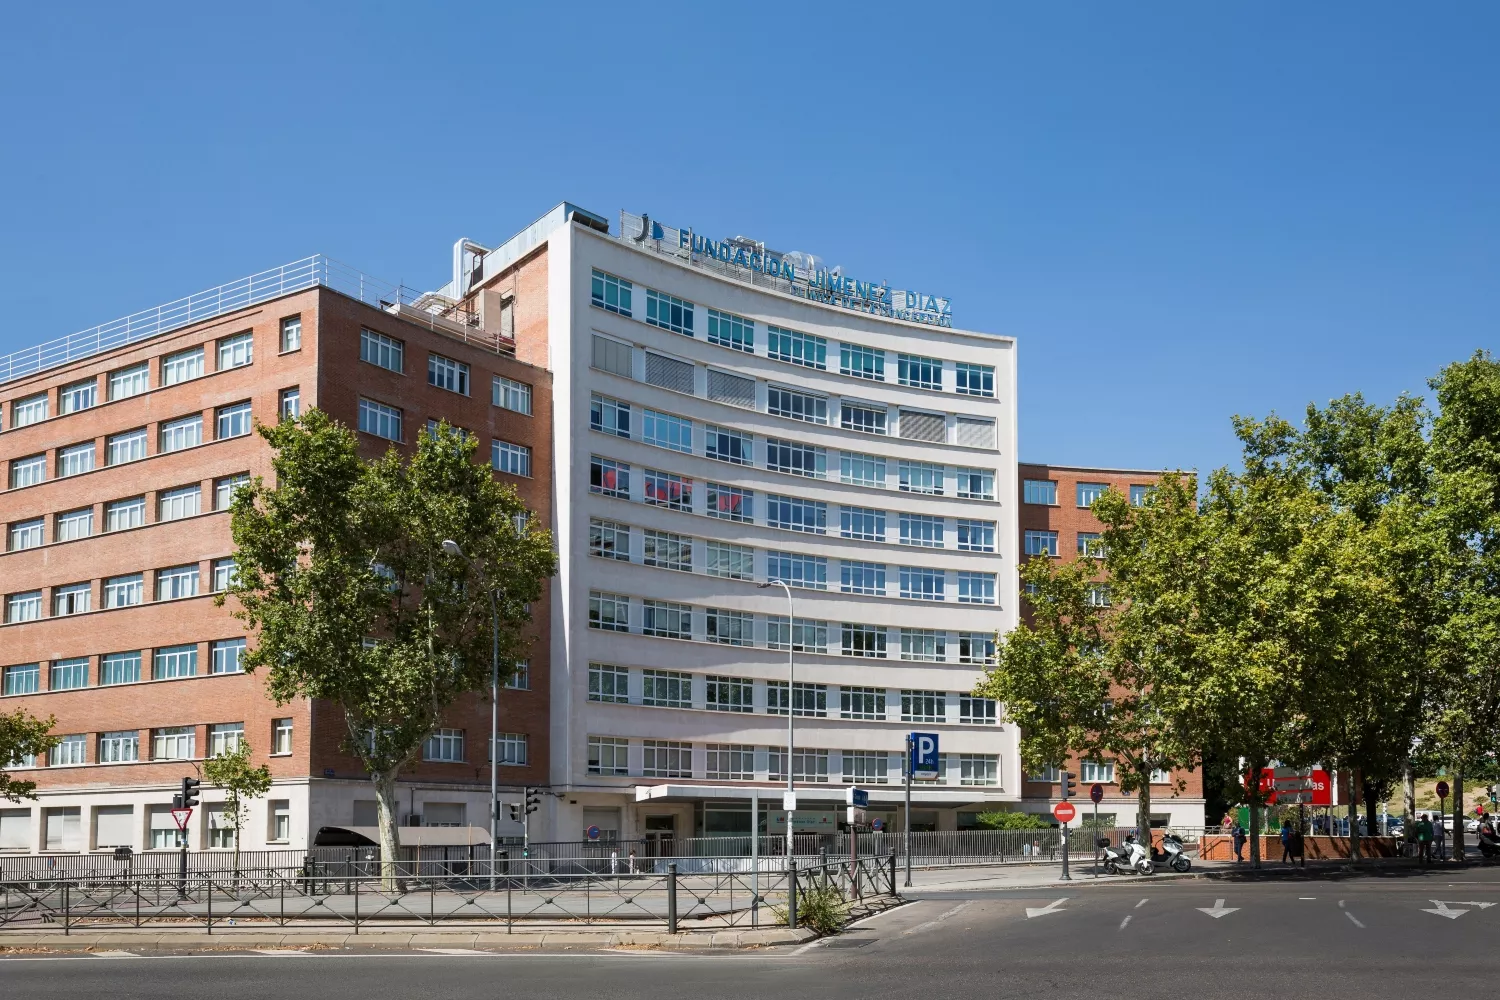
column 1036, row 849
column 1286, row 841
column 632, row 861
column 614, row 862
column 1440, row 837
column 1237, row 837
column 1299, row 847
column 1424, row 839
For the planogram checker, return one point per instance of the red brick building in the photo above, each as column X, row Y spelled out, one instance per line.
column 1056, row 522
column 118, row 465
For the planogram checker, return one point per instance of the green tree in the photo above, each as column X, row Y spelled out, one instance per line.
column 1007, row 819
column 230, row 770
column 22, row 735
column 341, row 574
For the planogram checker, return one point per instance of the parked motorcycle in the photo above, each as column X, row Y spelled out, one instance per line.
column 1489, row 842
column 1129, row 857
column 1171, row 854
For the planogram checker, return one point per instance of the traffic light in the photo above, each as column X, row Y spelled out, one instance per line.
column 533, row 800
column 190, row 792
column 1069, row 785
column 515, row 812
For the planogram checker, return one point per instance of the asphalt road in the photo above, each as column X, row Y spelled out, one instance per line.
column 1369, row 936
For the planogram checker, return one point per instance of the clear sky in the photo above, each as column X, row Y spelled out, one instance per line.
column 1182, row 210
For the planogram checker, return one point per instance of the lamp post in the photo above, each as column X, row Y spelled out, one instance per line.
column 452, row 549
column 791, row 673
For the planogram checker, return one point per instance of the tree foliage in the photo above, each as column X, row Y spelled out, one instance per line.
column 231, row 771
column 22, row 735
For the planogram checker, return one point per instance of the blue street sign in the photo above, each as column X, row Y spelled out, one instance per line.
column 924, row 755
column 858, row 797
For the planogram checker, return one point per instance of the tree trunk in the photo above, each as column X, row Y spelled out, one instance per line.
column 1409, row 798
column 239, row 822
column 1370, row 807
column 1254, row 790
column 1353, row 809
column 1143, row 810
column 1458, row 816
column 385, row 797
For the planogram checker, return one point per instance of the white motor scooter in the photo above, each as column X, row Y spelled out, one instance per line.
column 1131, row 857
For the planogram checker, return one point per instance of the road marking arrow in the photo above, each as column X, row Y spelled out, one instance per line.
column 1218, row 910
column 1466, row 902
column 1443, row 911
column 1052, row 907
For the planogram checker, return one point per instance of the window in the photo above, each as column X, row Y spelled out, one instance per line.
column 796, row 515
column 184, row 433
column 866, row 767
column 520, row 677
column 808, row 765
column 27, row 471
column 78, row 396
column 31, row 410
column 224, row 489
column 1089, row 492
column 1050, row 774
column 924, row 645
column 806, row 635
column 281, row 736
column 862, row 362
column 24, row 607
column 610, row 612
column 182, row 366
column 175, row 743
column 236, row 351
column 513, row 749
column 227, row 656
column 725, row 444
column 865, row 703
column 129, row 446
column 732, row 390
column 666, row 759
column 609, row 477
column 733, row 562
column 732, row 628
column 862, row 417
column 921, row 583
column 291, row 334
column 666, row 689
column 177, row 582
column 976, row 536
column 225, row 737
column 1039, row 491
column 864, row 523
column 380, row 420
column 233, row 421
column 76, row 459
column 289, row 403
column 975, row 711
column 119, row 747
column 669, row 373
column 921, row 477
column 613, row 356
column 666, row 431
column 609, row 684
column 74, row 599
column 174, row 504
column 669, row 312
column 729, row 330
column 1100, row 772
column 509, row 394
column 667, row 489
column 974, row 380
column 862, row 578
column 919, row 426
column 976, row 588
column 445, row 745
column 808, row 700
column 1089, row 544
column 799, row 348
column 445, row 373
column 382, row 351
column 609, row 754
column 730, row 503
column 859, row 469
column 280, row 827
column 668, row 550
column 609, row 539
column 611, row 293
column 798, row 570
column 1098, row 596
column 666, row 620
column 796, row 459
column 175, row 661
column 978, row 769
column 1160, row 777
column 922, row 373
column 784, row 402
column 730, row 762
column 610, row 416
column 1041, row 543
column 26, row 534
column 120, row 668
column 976, row 648
column 729, row 694
column 24, row 679
column 513, row 459
column 70, row 750
column 922, row 529
column 124, row 591
column 862, row 640
column 130, row 381
column 923, row 706
column 975, row 432
column 1141, row 495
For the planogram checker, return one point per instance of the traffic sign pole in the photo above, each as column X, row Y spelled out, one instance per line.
column 906, row 840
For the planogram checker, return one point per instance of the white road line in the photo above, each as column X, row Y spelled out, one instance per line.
column 1125, row 921
column 115, row 954
column 1341, row 904
column 453, row 951
column 1307, row 897
column 1142, row 903
column 1353, row 918
column 937, row 919
column 278, row 951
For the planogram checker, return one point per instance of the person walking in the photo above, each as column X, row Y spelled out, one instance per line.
column 1237, row 838
column 1440, row 838
column 1286, row 842
column 1424, row 839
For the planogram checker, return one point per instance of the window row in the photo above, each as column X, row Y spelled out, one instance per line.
column 1037, row 542
column 119, row 515
column 385, row 421
column 127, row 590
column 1044, row 493
column 73, row 829
column 225, row 656
column 443, row 372
column 449, row 746
column 619, row 756
column 164, row 743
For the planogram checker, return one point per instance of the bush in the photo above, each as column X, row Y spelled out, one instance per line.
column 823, row 910
column 1008, row 820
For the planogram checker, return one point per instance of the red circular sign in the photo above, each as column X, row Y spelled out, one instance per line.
column 1442, row 789
column 1064, row 812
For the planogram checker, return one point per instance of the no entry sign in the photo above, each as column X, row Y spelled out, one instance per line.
column 1064, row 812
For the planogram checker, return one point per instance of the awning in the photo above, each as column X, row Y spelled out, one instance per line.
column 881, row 796
column 407, row 836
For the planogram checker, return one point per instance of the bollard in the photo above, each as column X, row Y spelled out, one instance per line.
column 791, row 893
column 672, row 898
column 823, row 858
column 892, row 876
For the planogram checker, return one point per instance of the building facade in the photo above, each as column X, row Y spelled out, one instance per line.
column 119, row 466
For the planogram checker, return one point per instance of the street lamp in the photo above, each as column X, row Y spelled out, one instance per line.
column 452, row 549
column 791, row 673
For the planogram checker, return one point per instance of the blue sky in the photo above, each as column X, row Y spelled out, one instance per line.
column 1182, row 210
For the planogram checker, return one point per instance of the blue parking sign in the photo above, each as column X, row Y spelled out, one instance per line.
column 924, row 755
